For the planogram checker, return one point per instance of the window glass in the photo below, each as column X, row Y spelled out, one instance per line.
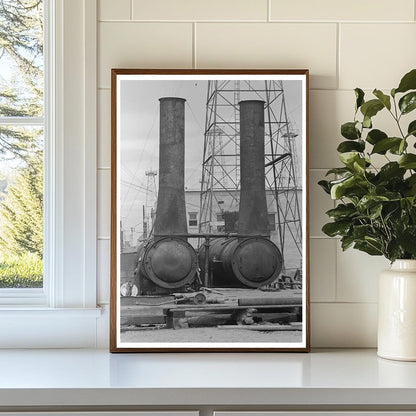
column 193, row 219
column 21, row 143
column 272, row 222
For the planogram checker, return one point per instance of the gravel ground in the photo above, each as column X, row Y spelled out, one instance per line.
column 209, row 335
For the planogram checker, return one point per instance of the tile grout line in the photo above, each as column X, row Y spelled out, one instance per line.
column 307, row 22
column 269, row 10
column 338, row 64
column 131, row 9
column 194, row 63
column 344, row 302
column 336, row 271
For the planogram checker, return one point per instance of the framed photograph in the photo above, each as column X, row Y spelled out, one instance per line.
column 209, row 211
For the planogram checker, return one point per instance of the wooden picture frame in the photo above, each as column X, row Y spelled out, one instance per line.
column 209, row 245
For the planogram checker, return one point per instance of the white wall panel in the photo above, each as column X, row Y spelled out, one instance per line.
column 340, row 56
column 348, row 325
column 104, row 203
column 323, row 269
column 104, row 128
column 357, row 275
column 142, row 45
column 114, row 10
column 319, row 203
column 259, row 45
column 376, row 55
column 200, row 10
column 369, row 10
column 103, row 271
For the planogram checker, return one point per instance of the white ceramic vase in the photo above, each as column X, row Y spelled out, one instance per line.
column 397, row 312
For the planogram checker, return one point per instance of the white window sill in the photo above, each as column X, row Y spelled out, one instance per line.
column 330, row 379
column 38, row 311
column 40, row 327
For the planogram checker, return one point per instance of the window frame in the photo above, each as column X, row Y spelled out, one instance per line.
column 71, row 210
column 34, row 296
column 191, row 219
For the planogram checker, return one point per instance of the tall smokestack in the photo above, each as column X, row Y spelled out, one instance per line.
column 253, row 218
column 171, row 211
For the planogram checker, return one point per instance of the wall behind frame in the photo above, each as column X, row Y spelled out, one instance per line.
column 345, row 44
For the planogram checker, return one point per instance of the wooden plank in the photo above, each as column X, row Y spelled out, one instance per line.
column 257, row 301
column 142, row 320
column 228, row 307
column 261, row 327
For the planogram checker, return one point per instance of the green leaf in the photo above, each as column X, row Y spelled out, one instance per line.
column 383, row 145
column 375, row 211
column 349, row 131
column 385, row 99
column 348, row 158
column 338, row 171
column 325, row 186
column 408, row 82
column 400, row 148
column 407, row 240
column 391, row 170
column 408, row 102
column 342, row 211
column 367, row 122
column 359, row 232
column 371, row 108
column 340, row 188
column 359, row 165
column 411, row 130
column 369, row 201
column 336, row 228
column 368, row 248
column 359, row 94
column 375, row 136
column 349, row 146
column 408, row 161
column 346, row 242
column 393, row 250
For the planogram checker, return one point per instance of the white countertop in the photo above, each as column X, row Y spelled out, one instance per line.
column 96, row 377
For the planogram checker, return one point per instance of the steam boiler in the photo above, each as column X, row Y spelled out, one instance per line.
column 167, row 262
column 249, row 259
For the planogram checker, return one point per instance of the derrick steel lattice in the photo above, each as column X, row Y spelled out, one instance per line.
column 150, row 204
column 221, row 157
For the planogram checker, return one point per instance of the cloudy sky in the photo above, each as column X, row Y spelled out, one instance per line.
column 139, row 135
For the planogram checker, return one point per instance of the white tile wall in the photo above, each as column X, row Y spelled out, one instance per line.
column 319, row 203
column 357, row 275
column 114, row 10
column 322, row 269
column 103, row 271
column 338, row 325
column 104, row 128
column 142, row 45
column 200, row 10
column 271, row 45
column 357, row 10
column 104, row 202
column 345, row 44
column 386, row 53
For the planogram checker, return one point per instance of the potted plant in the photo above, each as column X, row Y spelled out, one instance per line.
column 376, row 210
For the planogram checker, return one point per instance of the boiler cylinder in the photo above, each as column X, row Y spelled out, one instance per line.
column 169, row 262
column 235, row 262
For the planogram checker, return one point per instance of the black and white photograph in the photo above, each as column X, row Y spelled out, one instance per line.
column 209, row 236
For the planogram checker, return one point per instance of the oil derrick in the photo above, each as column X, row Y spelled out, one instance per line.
column 149, row 207
column 221, row 161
